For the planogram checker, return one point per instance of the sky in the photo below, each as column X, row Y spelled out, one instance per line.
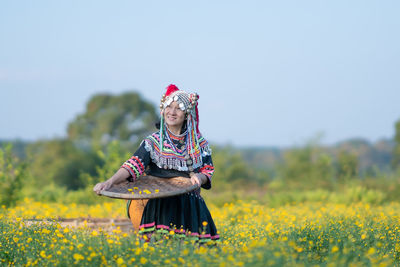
column 269, row 73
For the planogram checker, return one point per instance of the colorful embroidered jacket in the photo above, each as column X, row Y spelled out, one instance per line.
column 171, row 161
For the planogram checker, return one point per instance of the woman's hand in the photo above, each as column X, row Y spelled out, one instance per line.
column 198, row 178
column 102, row 186
column 120, row 176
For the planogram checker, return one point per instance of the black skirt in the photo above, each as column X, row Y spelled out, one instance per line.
column 187, row 215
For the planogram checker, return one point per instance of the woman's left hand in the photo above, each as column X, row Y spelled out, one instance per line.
column 197, row 178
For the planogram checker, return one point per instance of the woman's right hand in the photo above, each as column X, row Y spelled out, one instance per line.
column 102, row 186
column 121, row 175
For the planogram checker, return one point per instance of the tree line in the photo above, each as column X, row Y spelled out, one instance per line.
column 110, row 129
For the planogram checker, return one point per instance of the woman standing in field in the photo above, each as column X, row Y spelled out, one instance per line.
column 177, row 149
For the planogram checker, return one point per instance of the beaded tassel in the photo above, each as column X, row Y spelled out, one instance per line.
column 162, row 133
column 193, row 144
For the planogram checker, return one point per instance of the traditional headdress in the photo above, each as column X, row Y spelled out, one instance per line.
column 188, row 103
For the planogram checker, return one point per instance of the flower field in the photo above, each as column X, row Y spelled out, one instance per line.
column 304, row 234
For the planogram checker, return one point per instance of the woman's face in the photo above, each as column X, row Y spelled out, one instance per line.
column 173, row 115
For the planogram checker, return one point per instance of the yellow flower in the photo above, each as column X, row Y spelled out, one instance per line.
column 363, row 236
column 371, row 251
column 335, row 249
column 143, row 260
column 120, row 261
column 202, row 250
column 78, row 257
column 205, row 223
column 95, row 233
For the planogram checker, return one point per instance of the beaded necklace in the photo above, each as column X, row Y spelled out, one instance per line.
column 170, row 158
column 178, row 136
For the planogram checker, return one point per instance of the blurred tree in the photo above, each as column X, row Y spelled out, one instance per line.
column 232, row 169
column 347, row 165
column 111, row 160
column 12, row 173
column 396, row 150
column 126, row 117
column 60, row 162
column 18, row 147
column 306, row 167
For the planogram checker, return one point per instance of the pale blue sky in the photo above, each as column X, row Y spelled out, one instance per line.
column 270, row 73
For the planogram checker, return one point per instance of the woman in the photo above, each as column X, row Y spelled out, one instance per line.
column 177, row 149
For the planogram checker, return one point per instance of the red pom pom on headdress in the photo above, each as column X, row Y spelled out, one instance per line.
column 170, row 89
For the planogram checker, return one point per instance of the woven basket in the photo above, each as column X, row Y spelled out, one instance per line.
column 146, row 187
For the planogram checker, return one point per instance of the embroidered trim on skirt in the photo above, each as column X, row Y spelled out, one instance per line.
column 186, row 215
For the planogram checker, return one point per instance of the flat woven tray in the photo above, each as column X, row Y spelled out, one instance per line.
column 148, row 186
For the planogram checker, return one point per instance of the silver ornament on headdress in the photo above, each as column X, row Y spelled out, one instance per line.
column 185, row 100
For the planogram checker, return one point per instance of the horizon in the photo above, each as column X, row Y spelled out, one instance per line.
column 314, row 140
